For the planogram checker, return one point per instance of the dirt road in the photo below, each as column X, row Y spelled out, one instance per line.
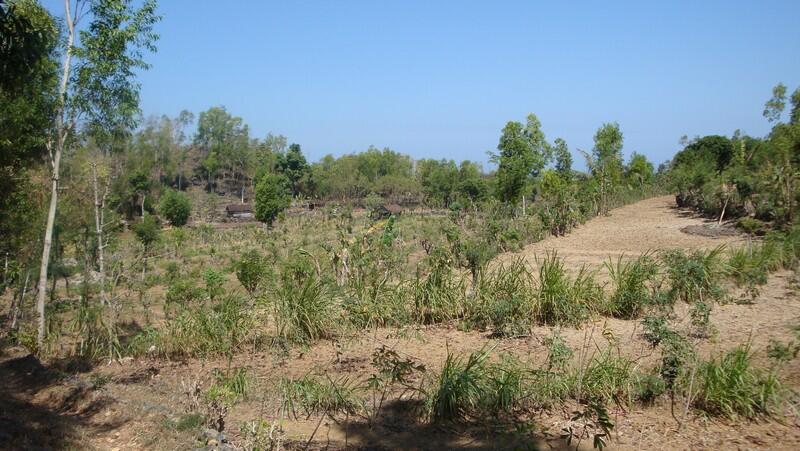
column 651, row 224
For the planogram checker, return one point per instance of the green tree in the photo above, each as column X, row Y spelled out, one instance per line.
column 272, row 197
column 606, row 162
column 563, row 158
column 523, row 153
column 175, row 206
column 225, row 143
column 639, row 170
column 28, row 82
column 294, row 166
column 99, row 92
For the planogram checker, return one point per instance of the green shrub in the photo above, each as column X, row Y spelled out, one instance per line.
column 504, row 299
column 695, row 276
column 271, row 197
column 732, row 387
column 459, row 389
column 175, row 206
column 251, row 270
column 438, row 296
column 148, row 230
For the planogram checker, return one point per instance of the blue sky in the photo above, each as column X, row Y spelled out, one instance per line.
column 440, row 79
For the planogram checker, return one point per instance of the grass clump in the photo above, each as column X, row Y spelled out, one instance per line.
column 732, row 387
column 439, row 296
column 562, row 300
column 634, row 283
column 320, row 395
column 303, row 304
column 504, row 300
column 458, row 390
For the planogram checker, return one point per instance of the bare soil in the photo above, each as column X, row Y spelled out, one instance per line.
column 130, row 404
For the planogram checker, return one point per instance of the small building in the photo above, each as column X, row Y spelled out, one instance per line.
column 239, row 211
column 384, row 211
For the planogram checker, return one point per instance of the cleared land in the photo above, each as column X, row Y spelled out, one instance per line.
column 135, row 404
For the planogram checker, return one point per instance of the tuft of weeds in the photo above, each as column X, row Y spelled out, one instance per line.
column 504, row 300
column 320, row 396
column 732, row 387
column 635, row 286
column 303, row 304
column 562, row 300
column 439, row 296
column 459, row 388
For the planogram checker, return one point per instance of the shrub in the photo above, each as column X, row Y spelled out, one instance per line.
column 251, row 270
column 438, row 296
column 271, row 197
column 732, row 387
column 634, row 286
column 175, row 206
column 695, row 276
column 148, row 230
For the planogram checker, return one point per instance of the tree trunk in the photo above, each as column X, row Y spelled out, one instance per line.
column 55, row 161
column 144, row 196
column 18, row 305
column 99, row 204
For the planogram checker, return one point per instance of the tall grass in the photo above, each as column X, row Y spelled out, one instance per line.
column 303, row 304
column 562, row 300
column 320, row 395
column 732, row 387
column 635, row 286
column 504, row 300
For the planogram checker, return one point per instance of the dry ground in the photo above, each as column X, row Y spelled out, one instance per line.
column 137, row 399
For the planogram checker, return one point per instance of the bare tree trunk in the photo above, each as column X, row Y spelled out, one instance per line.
column 99, row 204
column 61, row 131
column 144, row 196
column 18, row 305
column 722, row 215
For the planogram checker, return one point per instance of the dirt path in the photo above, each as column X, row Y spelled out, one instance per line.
column 651, row 224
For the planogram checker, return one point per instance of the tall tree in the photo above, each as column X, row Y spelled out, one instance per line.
column 294, row 166
column 523, row 153
column 606, row 162
column 28, row 83
column 99, row 93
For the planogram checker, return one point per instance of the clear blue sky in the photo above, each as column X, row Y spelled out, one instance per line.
column 440, row 79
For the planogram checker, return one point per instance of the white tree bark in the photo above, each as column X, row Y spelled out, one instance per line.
column 99, row 205
column 61, row 131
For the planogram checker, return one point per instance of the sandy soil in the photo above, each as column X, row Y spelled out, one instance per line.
column 45, row 409
column 648, row 225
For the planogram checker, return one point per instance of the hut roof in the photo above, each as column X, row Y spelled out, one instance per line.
column 239, row 208
column 393, row 208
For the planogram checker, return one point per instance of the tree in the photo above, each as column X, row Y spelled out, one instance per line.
column 563, row 158
column 272, row 197
column 225, row 141
column 606, row 162
column 639, row 170
column 294, row 166
column 28, row 93
column 523, row 153
column 100, row 92
column 175, row 206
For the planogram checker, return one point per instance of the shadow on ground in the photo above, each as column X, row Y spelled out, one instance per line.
column 398, row 427
column 42, row 408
